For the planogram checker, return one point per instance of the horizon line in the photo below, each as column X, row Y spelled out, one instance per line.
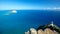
column 34, row 9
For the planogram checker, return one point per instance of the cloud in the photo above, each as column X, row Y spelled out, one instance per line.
column 54, row 8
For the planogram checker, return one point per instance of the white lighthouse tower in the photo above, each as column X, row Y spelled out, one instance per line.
column 52, row 24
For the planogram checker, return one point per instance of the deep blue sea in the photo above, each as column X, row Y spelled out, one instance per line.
column 23, row 20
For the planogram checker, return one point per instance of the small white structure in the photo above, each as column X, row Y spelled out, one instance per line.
column 52, row 23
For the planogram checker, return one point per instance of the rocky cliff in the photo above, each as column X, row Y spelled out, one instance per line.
column 45, row 29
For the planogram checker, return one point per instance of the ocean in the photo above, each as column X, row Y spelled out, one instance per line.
column 23, row 20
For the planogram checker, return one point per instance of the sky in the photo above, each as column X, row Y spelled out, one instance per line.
column 28, row 4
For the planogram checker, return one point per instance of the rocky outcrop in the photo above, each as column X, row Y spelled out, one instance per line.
column 40, row 32
column 45, row 29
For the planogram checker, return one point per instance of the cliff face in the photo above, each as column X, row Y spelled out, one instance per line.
column 40, row 32
column 50, row 29
column 45, row 29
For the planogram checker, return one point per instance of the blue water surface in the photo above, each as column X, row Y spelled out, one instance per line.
column 23, row 20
